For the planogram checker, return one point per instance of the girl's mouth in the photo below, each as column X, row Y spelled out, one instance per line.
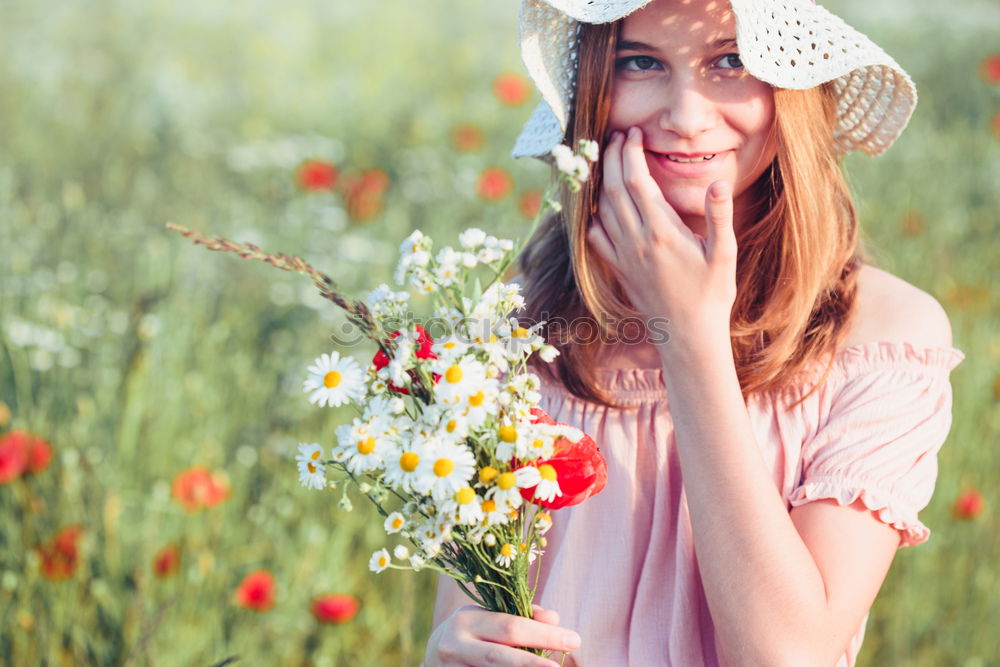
column 681, row 165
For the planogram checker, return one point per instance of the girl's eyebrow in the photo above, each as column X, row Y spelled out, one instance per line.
column 629, row 45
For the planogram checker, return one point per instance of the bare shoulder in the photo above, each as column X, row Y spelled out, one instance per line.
column 891, row 309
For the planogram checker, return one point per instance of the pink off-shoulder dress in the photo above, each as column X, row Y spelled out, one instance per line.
column 621, row 569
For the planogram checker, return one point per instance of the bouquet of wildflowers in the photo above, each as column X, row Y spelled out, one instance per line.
column 449, row 443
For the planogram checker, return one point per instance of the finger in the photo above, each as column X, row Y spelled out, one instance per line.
column 550, row 616
column 519, row 631
column 599, row 240
column 486, row 653
column 721, row 240
column 618, row 210
column 642, row 189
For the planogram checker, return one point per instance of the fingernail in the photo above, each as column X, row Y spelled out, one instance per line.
column 571, row 641
column 632, row 131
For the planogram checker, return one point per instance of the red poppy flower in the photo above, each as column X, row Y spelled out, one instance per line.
column 198, row 488
column 167, row 561
column 423, row 351
column 494, row 184
column 511, row 89
column 468, row 138
column 530, row 203
column 581, row 470
column 60, row 556
column 990, row 68
column 334, row 608
column 968, row 505
column 257, row 591
column 13, row 456
column 315, row 175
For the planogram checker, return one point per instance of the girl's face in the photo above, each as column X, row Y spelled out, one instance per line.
column 678, row 77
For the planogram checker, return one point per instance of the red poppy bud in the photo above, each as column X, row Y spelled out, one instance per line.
column 257, row 591
column 968, row 505
column 335, row 608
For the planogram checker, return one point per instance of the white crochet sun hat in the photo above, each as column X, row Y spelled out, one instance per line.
column 793, row 44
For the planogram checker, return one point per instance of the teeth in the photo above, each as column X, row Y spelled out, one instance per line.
column 691, row 159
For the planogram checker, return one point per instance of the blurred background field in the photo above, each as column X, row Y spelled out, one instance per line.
column 331, row 130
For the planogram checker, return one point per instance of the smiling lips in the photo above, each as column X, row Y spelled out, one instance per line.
column 686, row 164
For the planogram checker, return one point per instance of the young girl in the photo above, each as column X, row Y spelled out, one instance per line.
column 773, row 436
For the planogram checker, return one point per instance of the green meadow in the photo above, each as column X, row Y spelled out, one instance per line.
column 137, row 355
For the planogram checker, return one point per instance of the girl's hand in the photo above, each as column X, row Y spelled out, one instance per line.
column 474, row 636
column 665, row 269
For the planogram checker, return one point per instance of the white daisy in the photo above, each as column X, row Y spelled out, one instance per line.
column 507, row 492
column 471, row 238
column 379, row 561
column 446, row 468
column 401, row 552
column 311, row 466
column 403, row 464
column 532, row 553
column 543, row 521
column 506, row 554
column 481, row 405
column 362, row 445
column 432, row 533
column 494, row 514
column 464, row 507
column 543, row 478
column 334, row 380
column 417, row 562
column 394, row 523
column 459, row 378
column 449, row 348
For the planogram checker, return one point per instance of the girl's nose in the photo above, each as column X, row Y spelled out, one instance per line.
column 686, row 111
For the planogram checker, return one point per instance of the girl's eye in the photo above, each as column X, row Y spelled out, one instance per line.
column 637, row 63
column 733, row 59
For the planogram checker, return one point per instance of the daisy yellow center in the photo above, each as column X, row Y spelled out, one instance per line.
column 547, row 472
column 489, row 505
column 524, row 547
column 453, row 374
column 543, row 517
column 311, row 466
column 508, row 433
column 315, row 455
column 477, row 399
column 507, row 551
column 443, row 467
column 332, row 379
column 537, row 444
column 487, row 474
column 382, row 561
column 366, row 446
column 452, row 425
column 409, row 461
column 449, row 345
column 506, row 481
column 397, row 523
column 465, row 496
column 520, row 332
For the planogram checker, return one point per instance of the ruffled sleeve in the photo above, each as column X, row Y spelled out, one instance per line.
column 889, row 415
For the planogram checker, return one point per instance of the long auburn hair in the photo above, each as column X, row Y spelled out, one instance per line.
column 797, row 263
